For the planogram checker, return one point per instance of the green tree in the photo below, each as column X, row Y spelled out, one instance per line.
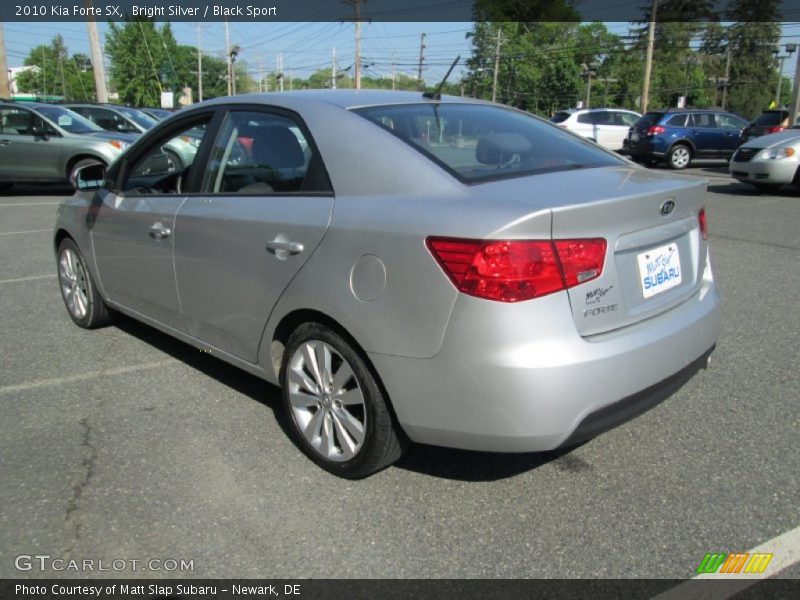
column 56, row 73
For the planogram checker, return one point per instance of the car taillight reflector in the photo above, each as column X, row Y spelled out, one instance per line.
column 517, row 270
column 701, row 220
column 655, row 130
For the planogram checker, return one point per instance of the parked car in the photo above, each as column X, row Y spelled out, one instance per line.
column 769, row 162
column 113, row 117
column 443, row 270
column 680, row 135
column 607, row 126
column 769, row 121
column 47, row 143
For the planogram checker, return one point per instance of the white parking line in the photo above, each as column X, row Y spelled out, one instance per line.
column 785, row 550
column 24, row 232
column 42, row 383
column 31, row 278
column 32, row 204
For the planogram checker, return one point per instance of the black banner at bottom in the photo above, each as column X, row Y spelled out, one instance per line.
column 388, row 589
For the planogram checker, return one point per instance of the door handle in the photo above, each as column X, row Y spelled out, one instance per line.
column 283, row 247
column 159, row 232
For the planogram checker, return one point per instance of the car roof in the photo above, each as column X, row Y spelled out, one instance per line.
column 344, row 98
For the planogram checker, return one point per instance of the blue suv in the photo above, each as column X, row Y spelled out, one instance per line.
column 679, row 135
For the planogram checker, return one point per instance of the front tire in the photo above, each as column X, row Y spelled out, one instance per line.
column 337, row 411
column 679, row 157
column 84, row 304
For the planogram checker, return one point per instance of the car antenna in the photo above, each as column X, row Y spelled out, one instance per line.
column 436, row 94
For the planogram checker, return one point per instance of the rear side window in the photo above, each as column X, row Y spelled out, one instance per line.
column 16, row 120
column 479, row 142
column 677, row 121
column 588, row 118
column 702, row 120
column 770, row 117
column 649, row 119
column 560, row 117
column 263, row 153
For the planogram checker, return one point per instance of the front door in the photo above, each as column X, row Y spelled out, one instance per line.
column 261, row 209
column 25, row 156
column 705, row 134
column 134, row 230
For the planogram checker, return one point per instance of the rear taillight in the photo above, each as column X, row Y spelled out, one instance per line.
column 655, row 130
column 701, row 221
column 775, row 129
column 517, row 270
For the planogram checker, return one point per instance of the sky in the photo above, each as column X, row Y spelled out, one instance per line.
column 307, row 47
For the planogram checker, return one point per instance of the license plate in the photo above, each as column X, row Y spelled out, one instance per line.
column 659, row 269
column 634, row 137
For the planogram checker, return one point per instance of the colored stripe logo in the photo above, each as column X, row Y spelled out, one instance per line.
column 735, row 562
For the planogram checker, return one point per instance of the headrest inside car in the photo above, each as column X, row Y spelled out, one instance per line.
column 495, row 148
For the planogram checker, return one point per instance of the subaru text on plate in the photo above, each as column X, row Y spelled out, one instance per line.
column 435, row 270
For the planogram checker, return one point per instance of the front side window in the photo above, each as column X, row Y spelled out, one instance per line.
column 165, row 167
column 15, row 120
column 477, row 142
column 68, row 120
column 262, row 153
column 727, row 121
column 107, row 119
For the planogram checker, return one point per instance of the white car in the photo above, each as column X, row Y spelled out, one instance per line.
column 606, row 126
column 770, row 161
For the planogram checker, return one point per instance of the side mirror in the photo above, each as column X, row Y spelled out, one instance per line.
column 90, row 177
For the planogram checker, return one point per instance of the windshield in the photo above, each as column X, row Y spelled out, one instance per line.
column 137, row 116
column 156, row 113
column 478, row 142
column 68, row 120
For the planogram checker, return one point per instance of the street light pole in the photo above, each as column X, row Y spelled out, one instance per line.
column 790, row 48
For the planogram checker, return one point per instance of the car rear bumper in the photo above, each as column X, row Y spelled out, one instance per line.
column 519, row 378
column 762, row 171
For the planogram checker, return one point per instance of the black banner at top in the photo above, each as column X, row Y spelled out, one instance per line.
column 398, row 10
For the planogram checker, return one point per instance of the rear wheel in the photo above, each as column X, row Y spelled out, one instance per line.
column 337, row 412
column 679, row 157
column 84, row 304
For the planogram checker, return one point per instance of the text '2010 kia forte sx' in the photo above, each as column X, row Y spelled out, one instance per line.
column 434, row 270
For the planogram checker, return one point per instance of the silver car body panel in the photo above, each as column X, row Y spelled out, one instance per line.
column 765, row 170
column 460, row 371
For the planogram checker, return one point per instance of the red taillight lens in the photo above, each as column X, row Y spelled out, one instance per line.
column 517, row 270
column 581, row 260
column 655, row 130
column 775, row 129
column 701, row 220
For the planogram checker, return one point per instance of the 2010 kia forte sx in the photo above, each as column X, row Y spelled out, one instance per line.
column 406, row 268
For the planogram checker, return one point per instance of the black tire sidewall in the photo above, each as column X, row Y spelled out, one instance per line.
column 378, row 419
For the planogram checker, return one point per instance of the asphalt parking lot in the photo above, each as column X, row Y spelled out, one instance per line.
column 123, row 443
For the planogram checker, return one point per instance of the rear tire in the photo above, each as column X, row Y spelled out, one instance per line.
column 84, row 304
column 679, row 157
column 337, row 411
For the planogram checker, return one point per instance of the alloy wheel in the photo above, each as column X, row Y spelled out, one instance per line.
column 74, row 286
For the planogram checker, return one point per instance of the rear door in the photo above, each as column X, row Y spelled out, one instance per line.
column 708, row 139
column 260, row 210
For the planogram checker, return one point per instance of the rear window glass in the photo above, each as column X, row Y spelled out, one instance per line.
column 770, row 118
column 649, row 119
column 559, row 117
column 479, row 142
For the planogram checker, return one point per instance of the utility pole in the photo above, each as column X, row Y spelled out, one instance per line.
column 279, row 65
column 496, row 64
column 5, row 83
column 228, row 58
column 795, row 108
column 394, row 80
column 199, row 62
column 421, row 58
column 790, row 48
column 98, row 66
column 727, row 74
column 333, row 68
column 357, row 7
column 648, row 61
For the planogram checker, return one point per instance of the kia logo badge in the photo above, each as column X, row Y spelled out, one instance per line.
column 667, row 207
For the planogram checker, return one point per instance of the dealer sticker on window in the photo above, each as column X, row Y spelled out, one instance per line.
column 659, row 269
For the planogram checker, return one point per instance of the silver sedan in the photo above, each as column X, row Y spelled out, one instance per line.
column 769, row 162
column 405, row 268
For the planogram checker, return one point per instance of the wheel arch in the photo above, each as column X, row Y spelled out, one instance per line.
column 682, row 142
column 60, row 236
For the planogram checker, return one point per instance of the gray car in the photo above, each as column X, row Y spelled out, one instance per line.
column 46, row 143
column 769, row 162
column 434, row 270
